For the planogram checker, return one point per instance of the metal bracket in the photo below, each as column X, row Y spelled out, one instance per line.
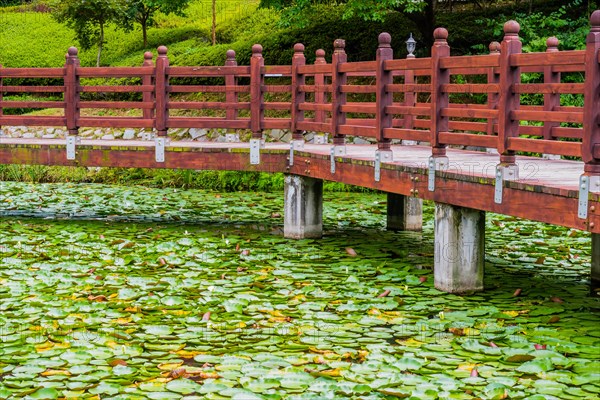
column 232, row 137
column 377, row 166
column 499, row 186
column 255, row 151
column 291, row 153
column 332, row 154
column 320, row 139
column 160, row 143
column 584, row 193
column 72, row 142
column 504, row 172
column 340, row 150
column 435, row 164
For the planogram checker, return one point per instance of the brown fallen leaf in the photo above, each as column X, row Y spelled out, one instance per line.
column 557, row 299
column 275, row 215
column 116, row 362
column 457, row 331
column 540, row 260
column 178, row 373
column 351, row 252
column 237, row 247
column 99, row 298
column 554, row 320
column 385, row 293
column 517, row 292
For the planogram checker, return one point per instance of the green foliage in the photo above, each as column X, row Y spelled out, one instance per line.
column 143, row 12
column 88, row 18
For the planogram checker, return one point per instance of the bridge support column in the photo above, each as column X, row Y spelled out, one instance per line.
column 404, row 213
column 595, row 276
column 303, row 214
column 459, row 249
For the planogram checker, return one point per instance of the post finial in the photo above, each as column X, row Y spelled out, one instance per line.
column 320, row 53
column 440, row 35
column 552, row 44
column 298, row 48
column 511, row 28
column 494, row 48
column 339, row 45
column 595, row 21
column 72, row 52
column 385, row 40
column 230, row 55
column 162, row 51
column 257, row 50
column 148, row 56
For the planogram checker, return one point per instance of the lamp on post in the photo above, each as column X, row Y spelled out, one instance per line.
column 411, row 45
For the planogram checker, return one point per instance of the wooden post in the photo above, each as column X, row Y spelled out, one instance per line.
column 231, row 96
column 338, row 98
column 509, row 100
column 148, row 97
column 298, row 96
column 492, row 100
column 409, row 98
column 551, row 100
column 384, row 98
column 439, row 99
column 162, row 96
column 320, row 86
column 1, row 89
column 71, row 80
column 257, row 80
column 591, row 107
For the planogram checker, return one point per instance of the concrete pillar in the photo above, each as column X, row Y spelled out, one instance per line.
column 303, row 204
column 595, row 276
column 459, row 249
column 404, row 213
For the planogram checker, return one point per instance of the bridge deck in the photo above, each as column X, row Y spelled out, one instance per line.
column 547, row 190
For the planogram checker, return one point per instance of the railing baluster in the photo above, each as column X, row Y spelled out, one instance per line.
column 298, row 96
column 551, row 100
column 409, row 97
column 161, row 83
column 71, row 98
column 509, row 101
column 384, row 98
column 148, row 97
column 338, row 98
column 1, row 91
column 320, row 115
column 257, row 80
column 231, row 96
column 492, row 100
column 439, row 99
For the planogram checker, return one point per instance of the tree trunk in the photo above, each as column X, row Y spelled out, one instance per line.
column 100, row 44
column 214, row 22
column 145, row 32
column 425, row 22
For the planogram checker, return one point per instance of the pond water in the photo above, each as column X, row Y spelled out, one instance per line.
column 130, row 292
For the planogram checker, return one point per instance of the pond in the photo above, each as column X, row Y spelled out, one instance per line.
column 131, row 292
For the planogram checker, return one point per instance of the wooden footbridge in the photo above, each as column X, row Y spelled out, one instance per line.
column 453, row 129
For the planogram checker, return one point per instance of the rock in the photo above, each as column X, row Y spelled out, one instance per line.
column 195, row 133
column 108, row 137
column 46, row 136
column 358, row 140
column 129, row 134
column 28, row 135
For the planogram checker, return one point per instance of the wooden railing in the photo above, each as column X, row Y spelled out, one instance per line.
column 443, row 100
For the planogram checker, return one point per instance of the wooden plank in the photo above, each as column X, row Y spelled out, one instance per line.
column 564, row 132
column 550, row 116
column 469, row 113
column 424, row 111
column 116, row 89
column 357, row 130
column 315, row 69
column 407, row 134
column 32, row 89
column 282, row 106
column 205, row 71
column 277, row 70
column 206, row 105
column 114, row 72
column 315, row 107
column 315, row 88
column 364, row 108
column 408, row 63
column 549, row 88
column 361, row 66
column 468, row 62
column 32, row 104
column 32, row 73
column 207, row 122
column 30, row 120
column 207, row 89
column 117, row 104
column 571, row 57
column 467, row 126
column 115, row 122
column 411, row 87
column 572, row 149
column 314, row 126
column 277, row 88
column 277, row 123
column 466, row 139
column 358, row 89
column 471, row 88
